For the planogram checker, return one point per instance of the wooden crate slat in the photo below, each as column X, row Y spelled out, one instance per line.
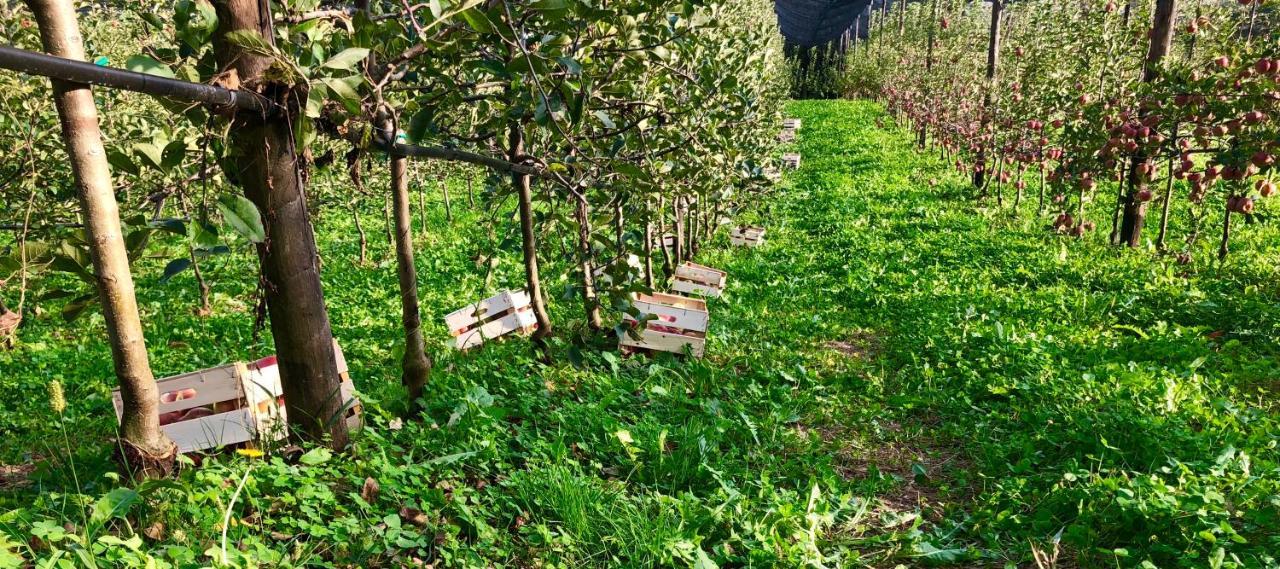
column 213, row 431
column 684, row 318
column 512, row 322
column 746, row 236
column 466, row 317
column 693, row 271
column 666, row 342
column 691, row 287
column 207, row 387
column 672, row 300
column 263, row 398
column 355, row 414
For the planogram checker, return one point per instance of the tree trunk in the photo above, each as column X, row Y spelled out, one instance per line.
column 416, row 364
column 268, row 169
column 144, row 450
column 364, row 239
column 515, row 138
column 1226, row 234
column 448, row 207
column 1135, row 210
column 667, row 253
column 590, row 302
column 993, row 63
column 619, row 229
column 648, row 252
column 678, row 213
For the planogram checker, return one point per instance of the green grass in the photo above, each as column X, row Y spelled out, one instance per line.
column 897, row 377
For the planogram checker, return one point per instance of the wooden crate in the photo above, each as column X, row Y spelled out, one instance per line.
column 692, row 278
column 787, row 135
column 791, row 124
column 677, row 323
column 233, row 404
column 506, row 312
column 746, row 236
column 791, row 160
column 668, row 241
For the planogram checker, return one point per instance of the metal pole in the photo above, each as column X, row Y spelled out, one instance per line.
column 89, row 74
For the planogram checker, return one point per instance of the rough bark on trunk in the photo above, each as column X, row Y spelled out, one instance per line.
column 448, row 207
column 590, row 302
column 267, row 167
column 529, row 238
column 144, row 450
column 993, row 62
column 364, row 239
column 416, row 364
column 619, row 229
column 667, row 253
column 1135, row 210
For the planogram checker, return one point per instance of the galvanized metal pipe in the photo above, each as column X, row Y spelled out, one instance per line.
column 54, row 67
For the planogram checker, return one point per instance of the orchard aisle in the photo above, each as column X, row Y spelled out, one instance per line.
column 1004, row 385
column 895, row 378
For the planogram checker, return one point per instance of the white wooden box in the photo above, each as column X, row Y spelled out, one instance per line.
column 791, row 160
column 668, row 241
column 787, row 135
column 791, row 124
column 232, row 404
column 499, row 315
column 692, row 278
column 677, row 322
column 746, row 236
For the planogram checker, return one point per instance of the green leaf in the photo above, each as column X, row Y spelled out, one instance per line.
column 173, row 154
column 150, row 152
column 347, row 59
column 243, row 217
column 145, row 64
column 316, row 456
column 122, row 162
column 9, row 556
column 477, row 20
column 344, row 91
column 704, row 561
column 114, row 504
column 250, row 41
column 451, row 458
column 174, row 267
column 77, row 307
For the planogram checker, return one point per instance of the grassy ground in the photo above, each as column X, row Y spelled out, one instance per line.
column 898, row 377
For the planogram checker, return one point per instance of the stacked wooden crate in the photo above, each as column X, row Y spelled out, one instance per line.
column 672, row 323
